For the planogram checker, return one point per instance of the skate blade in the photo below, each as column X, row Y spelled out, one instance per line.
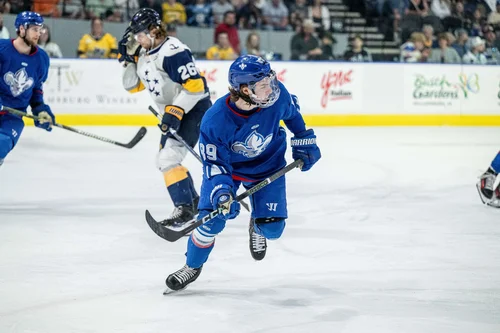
column 169, row 291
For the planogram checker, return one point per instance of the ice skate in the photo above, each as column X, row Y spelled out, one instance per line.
column 180, row 279
column 182, row 214
column 258, row 244
column 485, row 186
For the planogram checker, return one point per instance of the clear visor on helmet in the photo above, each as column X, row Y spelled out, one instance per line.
column 39, row 28
column 265, row 92
column 142, row 35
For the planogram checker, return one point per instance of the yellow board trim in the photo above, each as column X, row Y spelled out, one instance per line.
column 175, row 175
column 311, row 120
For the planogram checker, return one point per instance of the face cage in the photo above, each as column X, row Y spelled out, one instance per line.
column 273, row 96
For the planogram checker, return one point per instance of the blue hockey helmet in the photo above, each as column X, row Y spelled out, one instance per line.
column 144, row 19
column 248, row 70
column 26, row 19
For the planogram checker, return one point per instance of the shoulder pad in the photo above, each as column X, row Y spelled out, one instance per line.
column 172, row 46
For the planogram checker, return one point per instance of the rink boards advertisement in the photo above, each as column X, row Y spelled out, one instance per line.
column 90, row 92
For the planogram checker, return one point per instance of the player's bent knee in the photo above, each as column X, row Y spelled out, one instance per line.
column 6, row 145
column 271, row 228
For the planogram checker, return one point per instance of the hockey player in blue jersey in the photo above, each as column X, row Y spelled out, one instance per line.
column 487, row 193
column 23, row 70
column 242, row 142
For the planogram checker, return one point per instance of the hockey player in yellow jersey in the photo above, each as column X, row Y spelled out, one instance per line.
column 165, row 67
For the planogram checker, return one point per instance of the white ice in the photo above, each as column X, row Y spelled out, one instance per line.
column 386, row 234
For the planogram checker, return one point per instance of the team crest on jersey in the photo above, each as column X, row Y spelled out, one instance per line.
column 18, row 82
column 253, row 146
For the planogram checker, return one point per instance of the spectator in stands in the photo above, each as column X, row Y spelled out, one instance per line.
column 441, row 8
column 222, row 50
column 491, row 45
column 252, row 45
column 98, row 8
column 320, row 15
column 114, row 15
column 125, row 9
column 4, row 32
column 5, row 6
column 153, row 4
column 444, row 54
column 199, row 14
column 219, row 7
column 304, row 45
column 475, row 54
column 50, row 47
column 327, row 42
column 494, row 17
column 171, row 30
column 357, row 53
column 250, row 16
column 46, row 7
column 460, row 44
column 428, row 32
column 411, row 51
column 228, row 26
column 298, row 11
column 174, row 12
column 73, row 9
column 458, row 13
column 476, row 23
column 275, row 16
column 18, row 6
column 425, row 54
column 418, row 7
column 97, row 44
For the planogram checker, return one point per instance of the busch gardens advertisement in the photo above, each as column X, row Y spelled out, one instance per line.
column 443, row 89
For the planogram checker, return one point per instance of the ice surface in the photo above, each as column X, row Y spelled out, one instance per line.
column 386, row 234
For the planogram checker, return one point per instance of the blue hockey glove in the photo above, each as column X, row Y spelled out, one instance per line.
column 128, row 47
column 222, row 197
column 171, row 118
column 45, row 115
column 304, row 147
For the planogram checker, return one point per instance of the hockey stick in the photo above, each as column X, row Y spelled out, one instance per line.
column 191, row 150
column 135, row 140
column 172, row 234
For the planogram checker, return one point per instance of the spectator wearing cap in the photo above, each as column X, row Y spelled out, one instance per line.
column 444, row 54
column 491, row 49
column 327, row 43
column 460, row 44
column 357, row 53
column 228, row 26
column 475, row 54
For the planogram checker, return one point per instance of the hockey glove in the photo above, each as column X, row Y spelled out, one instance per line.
column 45, row 115
column 171, row 118
column 222, row 197
column 304, row 147
column 128, row 47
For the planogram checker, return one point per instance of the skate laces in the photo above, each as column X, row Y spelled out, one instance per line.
column 176, row 213
column 258, row 242
column 185, row 273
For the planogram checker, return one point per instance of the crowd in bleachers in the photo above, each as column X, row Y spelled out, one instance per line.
column 445, row 31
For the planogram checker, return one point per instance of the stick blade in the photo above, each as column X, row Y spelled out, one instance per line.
column 163, row 231
column 138, row 137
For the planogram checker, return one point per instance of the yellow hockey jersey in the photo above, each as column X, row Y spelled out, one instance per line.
column 104, row 47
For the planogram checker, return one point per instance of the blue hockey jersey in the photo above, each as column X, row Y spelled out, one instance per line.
column 247, row 146
column 21, row 76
